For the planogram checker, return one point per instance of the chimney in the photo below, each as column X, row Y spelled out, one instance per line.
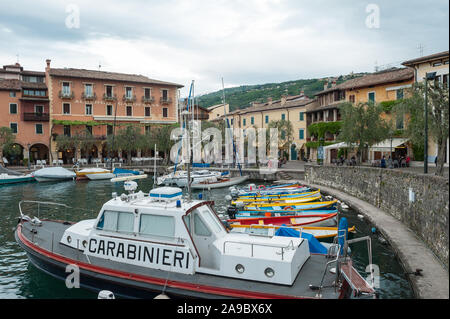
column 325, row 85
column 302, row 93
column 283, row 99
column 269, row 100
column 48, row 63
column 333, row 84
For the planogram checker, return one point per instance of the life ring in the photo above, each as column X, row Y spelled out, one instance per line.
column 288, row 208
column 261, row 187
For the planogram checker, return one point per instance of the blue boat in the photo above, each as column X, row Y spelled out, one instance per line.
column 14, row 179
column 283, row 207
column 255, row 214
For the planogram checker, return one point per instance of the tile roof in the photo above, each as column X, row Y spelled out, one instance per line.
column 382, row 77
column 291, row 101
column 102, row 75
column 15, row 85
column 426, row 58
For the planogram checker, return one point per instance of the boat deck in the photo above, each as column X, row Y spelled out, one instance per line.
column 43, row 247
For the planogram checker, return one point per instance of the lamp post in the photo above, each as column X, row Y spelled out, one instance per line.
column 428, row 76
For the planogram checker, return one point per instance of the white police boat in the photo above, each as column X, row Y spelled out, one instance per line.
column 140, row 245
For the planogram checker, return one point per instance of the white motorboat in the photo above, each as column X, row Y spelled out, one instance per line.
column 179, row 178
column 220, row 183
column 53, row 174
column 14, row 179
column 140, row 245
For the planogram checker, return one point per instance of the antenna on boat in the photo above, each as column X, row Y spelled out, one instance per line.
column 154, row 169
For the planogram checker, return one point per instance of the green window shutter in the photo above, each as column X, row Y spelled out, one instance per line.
column 302, row 118
column 301, row 134
column 283, row 116
column 267, row 118
column 252, row 120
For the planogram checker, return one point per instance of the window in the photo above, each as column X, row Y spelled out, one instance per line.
column 12, row 94
column 157, row 225
column 109, row 91
column 351, row 98
column 88, row 109
column 165, row 112
column 437, row 63
column 67, row 130
column 88, row 90
column 109, row 110
column 147, row 93
column 165, row 95
column 14, row 127
column 128, row 92
column 267, row 119
column 129, row 111
column 371, row 97
column 200, row 227
column 147, row 111
column 252, row 120
column 283, row 116
column 399, row 94
column 399, row 122
column 66, row 88
column 283, row 134
column 89, row 128
column 12, row 108
column 39, row 129
column 231, row 121
column 301, row 134
column 109, row 130
column 147, row 129
column 39, row 109
column 66, row 108
column 243, row 122
column 445, row 80
column 302, row 116
column 116, row 221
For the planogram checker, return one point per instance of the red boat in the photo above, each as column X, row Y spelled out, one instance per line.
column 298, row 220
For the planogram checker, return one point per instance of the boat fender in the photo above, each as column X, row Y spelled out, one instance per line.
column 105, row 294
column 288, row 208
column 162, row 296
column 261, row 187
column 373, row 230
column 200, row 196
column 178, row 203
column 228, row 197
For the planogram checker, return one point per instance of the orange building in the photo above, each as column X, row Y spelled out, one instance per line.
column 24, row 107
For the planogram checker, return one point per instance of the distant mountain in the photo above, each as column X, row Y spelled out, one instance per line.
column 241, row 97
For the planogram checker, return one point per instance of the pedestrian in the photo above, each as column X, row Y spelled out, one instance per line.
column 383, row 162
column 408, row 159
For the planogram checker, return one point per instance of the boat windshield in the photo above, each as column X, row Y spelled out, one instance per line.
column 210, row 219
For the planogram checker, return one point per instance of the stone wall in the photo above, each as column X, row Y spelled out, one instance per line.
column 427, row 215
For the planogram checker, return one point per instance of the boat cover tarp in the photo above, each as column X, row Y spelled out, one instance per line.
column 315, row 246
column 201, row 165
column 4, row 170
column 125, row 171
column 342, row 232
column 54, row 172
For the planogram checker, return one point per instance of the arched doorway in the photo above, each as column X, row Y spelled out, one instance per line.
column 67, row 155
column 14, row 154
column 38, row 152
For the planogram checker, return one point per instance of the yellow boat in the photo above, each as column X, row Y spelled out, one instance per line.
column 312, row 198
column 275, row 199
column 278, row 195
column 317, row 232
column 298, row 205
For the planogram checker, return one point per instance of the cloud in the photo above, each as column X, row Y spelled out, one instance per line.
column 244, row 41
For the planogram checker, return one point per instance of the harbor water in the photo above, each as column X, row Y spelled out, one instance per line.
column 20, row 279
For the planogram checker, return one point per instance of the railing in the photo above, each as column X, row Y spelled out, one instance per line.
column 149, row 99
column 166, row 100
column 66, row 95
column 85, row 96
column 107, row 97
column 52, row 210
column 37, row 117
column 290, row 246
column 127, row 98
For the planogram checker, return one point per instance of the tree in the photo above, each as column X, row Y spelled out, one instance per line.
column 438, row 118
column 127, row 139
column 362, row 126
column 7, row 139
column 285, row 133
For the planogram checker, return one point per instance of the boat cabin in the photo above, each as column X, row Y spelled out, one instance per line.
column 163, row 231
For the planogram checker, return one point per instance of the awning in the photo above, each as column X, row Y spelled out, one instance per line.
column 385, row 146
column 336, row 146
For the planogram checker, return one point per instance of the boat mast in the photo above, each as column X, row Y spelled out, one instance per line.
column 154, row 169
column 228, row 126
column 182, row 117
column 114, row 133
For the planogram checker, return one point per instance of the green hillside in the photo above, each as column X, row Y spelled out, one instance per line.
column 242, row 96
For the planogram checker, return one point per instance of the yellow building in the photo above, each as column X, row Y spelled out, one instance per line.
column 218, row 110
column 439, row 63
column 289, row 108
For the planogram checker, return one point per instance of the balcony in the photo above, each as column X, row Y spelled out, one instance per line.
column 128, row 98
column 148, row 99
column 36, row 117
column 66, row 95
column 166, row 100
column 108, row 97
column 91, row 96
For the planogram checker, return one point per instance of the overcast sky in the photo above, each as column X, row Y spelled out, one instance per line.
column 243, row 41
